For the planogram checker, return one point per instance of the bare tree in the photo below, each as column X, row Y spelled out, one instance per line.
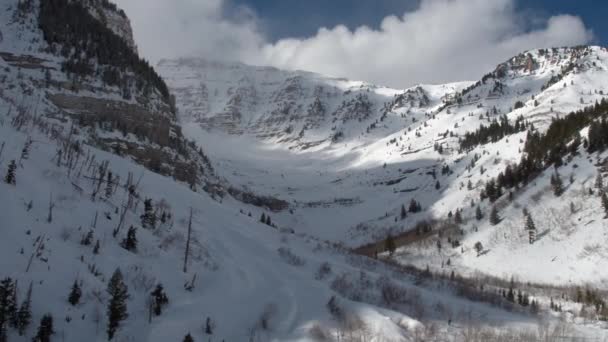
column 49, row 219
column 188, row 243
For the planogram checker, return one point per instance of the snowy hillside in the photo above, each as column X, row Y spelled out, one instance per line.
column 227, row 204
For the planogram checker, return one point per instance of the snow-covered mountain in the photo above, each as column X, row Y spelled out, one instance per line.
column 102, row 169
column 301, row 109
column 407, row 146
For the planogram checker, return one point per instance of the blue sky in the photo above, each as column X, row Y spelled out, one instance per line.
column 302, row 18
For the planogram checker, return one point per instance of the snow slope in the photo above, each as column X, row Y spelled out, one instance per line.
column 253, row 281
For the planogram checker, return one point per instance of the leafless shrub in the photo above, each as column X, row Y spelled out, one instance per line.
column 320, row 334
column 323, row 271
column 287, row 255
column 65, row 234
column 140, row 279
column 270, row 310
column 171, row 240
column 391, row 292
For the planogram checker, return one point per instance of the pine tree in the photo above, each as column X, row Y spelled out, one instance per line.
column 605, row 203
column 414, row 206
column 96, row 248
column 75, row 294
column 117, row 307
column 148, row 219
column 10, row 174
column 263, row 218
column 520, row 298
column 188, row 338
column 24, row 316
column 130, row 242
column 478, row 247
column 437, row 185
column 160, row 299
column 389, row 244
column 458, row 217
column 45, row 330
column 511, row 295
column 557, row 184
column 494, row 218
column 268, row 221
column 478, row 213
column 599, row 181
column 208, row 326
column 403, row 212
column 531, row 228
column 8, row 307
column 25, row 152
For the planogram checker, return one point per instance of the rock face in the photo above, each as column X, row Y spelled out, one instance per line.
column 121, row 107
column 114, row 18
column 302, row 109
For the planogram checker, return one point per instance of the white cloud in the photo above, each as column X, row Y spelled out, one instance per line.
column 443, row 40
column 178, row 28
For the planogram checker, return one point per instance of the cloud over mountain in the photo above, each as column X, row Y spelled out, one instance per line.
column 442, row 40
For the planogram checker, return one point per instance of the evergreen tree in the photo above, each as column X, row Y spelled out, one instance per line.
column 557, row 184
column 599, row 182
column 478, row 213
column 75, row 294
column 160, row 299
column 605, row 202
column 403, row 212
column 511, row 295
column 188, row 338
column 437, row 185
column 414, row 206
column 117, row 307
column 208, row 326
column 130, row 242
column 96, row 248
column 263, row 218
column 45, row 330
column 458, row 217
column 531, row 228
column 148, row 219
column 24, row 316
column 268, row 221
column 478, row 247
column 25, row 152
column 8, row 306
column 494, row 218
column 389, row 244
column 10, row 174
column 534, row 306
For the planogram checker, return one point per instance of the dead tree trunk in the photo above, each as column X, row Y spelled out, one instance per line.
column 34, row 253
column 49, row 219
column 188, row 243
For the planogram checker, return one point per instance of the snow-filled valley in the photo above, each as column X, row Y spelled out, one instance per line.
column 277, row 205
column 351, row 191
